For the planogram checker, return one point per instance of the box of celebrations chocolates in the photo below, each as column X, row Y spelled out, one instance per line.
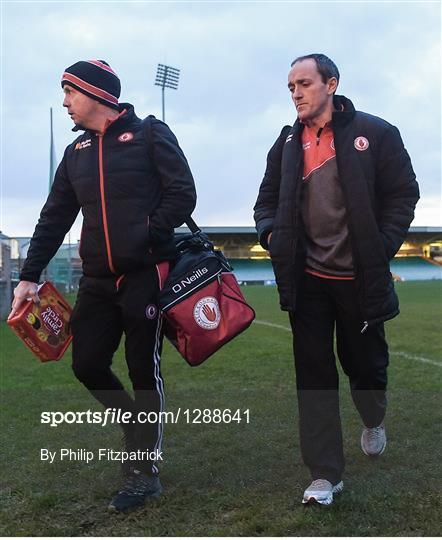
column 44, row 327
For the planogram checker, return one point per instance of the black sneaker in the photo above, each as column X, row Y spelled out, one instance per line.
column 137, row 488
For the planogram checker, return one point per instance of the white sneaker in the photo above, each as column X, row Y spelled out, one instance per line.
column 374, row 440
column 321, row 491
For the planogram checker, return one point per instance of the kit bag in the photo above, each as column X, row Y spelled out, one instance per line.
column 201, row 301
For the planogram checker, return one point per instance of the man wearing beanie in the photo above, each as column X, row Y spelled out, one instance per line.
column 133, row 184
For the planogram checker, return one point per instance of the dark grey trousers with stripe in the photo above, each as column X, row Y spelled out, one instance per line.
column 325, row 307
column 107, row 308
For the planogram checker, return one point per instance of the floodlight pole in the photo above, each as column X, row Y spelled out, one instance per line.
column 50, row 269
column 52, row 158
column 167, row 77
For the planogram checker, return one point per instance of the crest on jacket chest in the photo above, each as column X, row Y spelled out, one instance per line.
column 361, row 143
column 126, row 137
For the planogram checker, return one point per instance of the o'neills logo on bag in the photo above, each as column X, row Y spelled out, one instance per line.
column 189, row 279
column 52, row 320
column 207, row 313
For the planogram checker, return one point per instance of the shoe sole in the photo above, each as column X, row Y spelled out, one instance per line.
column 373, row 455
column 325, row 502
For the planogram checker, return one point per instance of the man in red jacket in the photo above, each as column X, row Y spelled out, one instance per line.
column 333, row 208
column 133, row 185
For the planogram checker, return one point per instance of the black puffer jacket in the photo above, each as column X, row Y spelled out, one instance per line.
column 132, row 194
column 380, row 192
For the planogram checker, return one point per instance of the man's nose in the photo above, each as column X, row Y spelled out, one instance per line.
column 297, row 94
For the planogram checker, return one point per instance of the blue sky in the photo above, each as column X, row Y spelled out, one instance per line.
column 232, row 99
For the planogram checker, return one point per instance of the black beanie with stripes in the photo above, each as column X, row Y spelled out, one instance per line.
column 96, row 79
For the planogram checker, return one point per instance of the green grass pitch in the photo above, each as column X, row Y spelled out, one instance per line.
column 231, row 479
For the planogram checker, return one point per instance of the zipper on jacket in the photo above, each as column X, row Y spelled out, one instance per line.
column 318, row 136
column 102, row 194
column 103, row 204
column 359, row 275
column 295, row 221
column 118, row 282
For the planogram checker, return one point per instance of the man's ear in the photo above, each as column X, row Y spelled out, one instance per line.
column 332, row 85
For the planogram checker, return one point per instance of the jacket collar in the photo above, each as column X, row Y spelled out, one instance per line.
column 128, row 116
column 344, row 112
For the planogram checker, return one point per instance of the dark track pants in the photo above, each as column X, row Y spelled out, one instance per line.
column 105, row 309
column 321, row 305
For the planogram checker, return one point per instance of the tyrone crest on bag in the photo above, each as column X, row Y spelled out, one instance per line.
column 207, row 313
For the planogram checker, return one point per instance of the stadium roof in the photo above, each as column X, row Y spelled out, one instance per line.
column 221, row 230
column 252, row 230
column 425, row 230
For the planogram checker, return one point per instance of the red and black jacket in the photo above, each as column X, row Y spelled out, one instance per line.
column 132, row 196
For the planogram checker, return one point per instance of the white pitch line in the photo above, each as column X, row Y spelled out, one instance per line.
column 393, row 353
column 418, row 358
column 273, row 325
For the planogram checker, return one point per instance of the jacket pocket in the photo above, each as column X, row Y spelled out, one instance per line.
column 380, row 297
